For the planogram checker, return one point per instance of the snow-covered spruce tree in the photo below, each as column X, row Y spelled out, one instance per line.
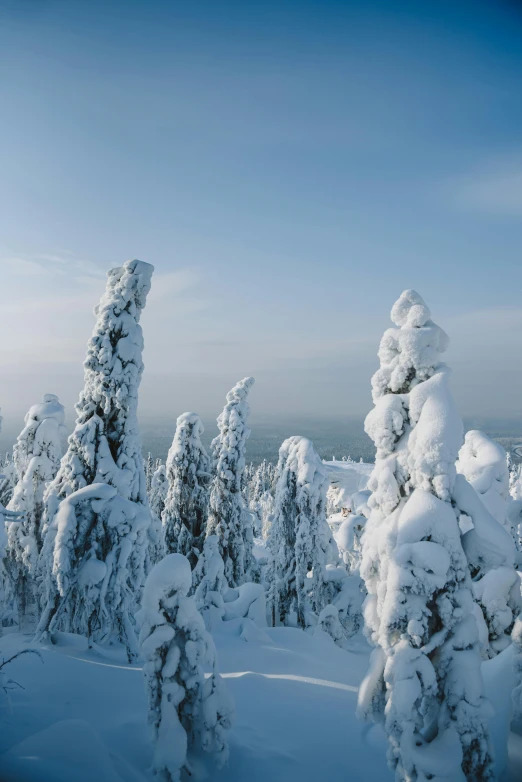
column 93, row 555
column 209, row 583
column 483, row 463
column 150, row 469
column 186, row 506
column 37, row 455
column 7, row 479
column 261, row 498
column 228, row 517
column 424, row 680
column 299, row 536
column 186, row 709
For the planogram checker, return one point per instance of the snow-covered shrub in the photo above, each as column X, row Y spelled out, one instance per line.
column 227, row 518
column 94, row 552
column 37, row 455
column 209, row 583
column 300, row 541
column 186, row 710
column 424, row 680
column 186, row 506
column 483, row 464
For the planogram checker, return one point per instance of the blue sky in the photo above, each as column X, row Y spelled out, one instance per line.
column 289, row 168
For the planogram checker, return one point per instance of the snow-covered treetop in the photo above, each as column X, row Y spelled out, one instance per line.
column 410, row 353
column 44, row 426
column 108, row 402
column 298, row 455
column 228, row 447
column 189, row 429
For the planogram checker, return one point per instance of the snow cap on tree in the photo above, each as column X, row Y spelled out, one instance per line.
column 227, row 517
column 424, row 680
column 186, row 709
column 94, row 552
column 186, row 506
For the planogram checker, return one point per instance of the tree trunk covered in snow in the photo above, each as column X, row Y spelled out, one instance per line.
column 228, row 518
column 93, row 555
column 186, row 506
column 424, row 680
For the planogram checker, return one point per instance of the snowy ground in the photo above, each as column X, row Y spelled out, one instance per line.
column 82, row 715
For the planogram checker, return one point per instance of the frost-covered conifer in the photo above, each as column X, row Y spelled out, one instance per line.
column 37, row 455
column 424, row 680
column 186, row 506
column 228, row 518
column 209, row 583
column 7, row 479
column 483, row 464
column 300, row 538
column 94, row 552
column 150, row 469
column 186, row 709
column 261, row 498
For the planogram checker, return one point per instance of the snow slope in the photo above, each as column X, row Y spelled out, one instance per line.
column 82, row 715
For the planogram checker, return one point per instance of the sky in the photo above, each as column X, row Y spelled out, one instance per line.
column 287, row 167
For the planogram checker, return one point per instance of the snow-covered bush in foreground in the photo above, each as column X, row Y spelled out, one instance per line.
column 186, row 709
column 300, row 540
column 37, row 455
column 186, row 505
column 424, row 680
column 93, row 555
column 228, row 518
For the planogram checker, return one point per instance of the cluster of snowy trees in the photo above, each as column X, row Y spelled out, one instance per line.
column 157, row 556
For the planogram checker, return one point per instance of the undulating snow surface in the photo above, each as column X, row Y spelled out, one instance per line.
column 83, row 714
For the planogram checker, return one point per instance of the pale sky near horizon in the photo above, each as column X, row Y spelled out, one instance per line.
column 288, row 167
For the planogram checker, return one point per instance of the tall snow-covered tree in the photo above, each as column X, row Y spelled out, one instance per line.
column 37, row 455
column 299, row 536
column 424, row 679
column 228, row 517
column 186, row 709
column 94, row 551
column 186, row 506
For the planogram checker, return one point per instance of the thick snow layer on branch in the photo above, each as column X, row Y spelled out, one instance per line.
column 227, row 517
column 104, row 450
column 186, row 709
